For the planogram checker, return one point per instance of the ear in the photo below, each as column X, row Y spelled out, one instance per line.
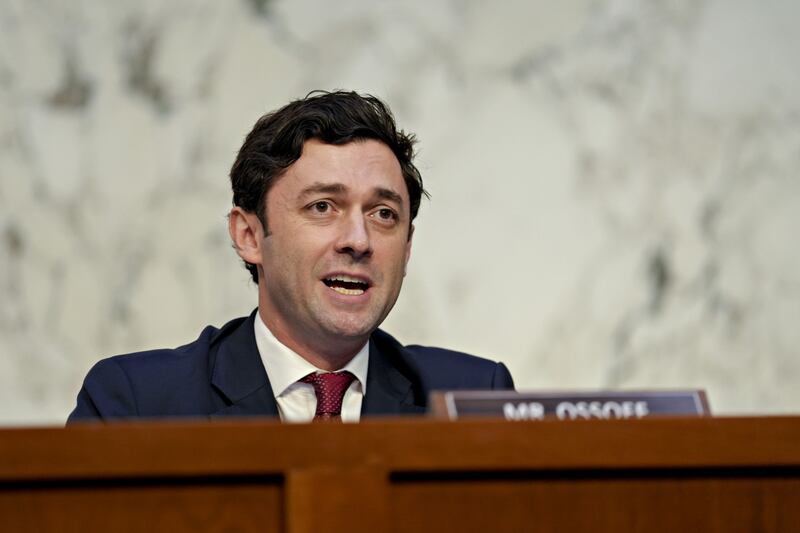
column 246, row 233
column 408, row 249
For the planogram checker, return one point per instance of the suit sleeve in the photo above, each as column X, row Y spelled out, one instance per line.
column 502, row 378
column 106, row 393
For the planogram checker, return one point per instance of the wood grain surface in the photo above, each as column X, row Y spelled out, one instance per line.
column 702, row 474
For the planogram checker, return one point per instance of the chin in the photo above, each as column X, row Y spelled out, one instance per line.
column 351, row 327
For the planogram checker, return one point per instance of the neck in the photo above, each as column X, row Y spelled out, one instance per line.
column 325, row 354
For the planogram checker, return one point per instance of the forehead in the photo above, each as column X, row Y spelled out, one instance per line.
column 360, row 166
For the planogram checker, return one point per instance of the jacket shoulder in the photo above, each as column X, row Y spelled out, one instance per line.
column 162, row 361
column 443, row 369
column 151, row 383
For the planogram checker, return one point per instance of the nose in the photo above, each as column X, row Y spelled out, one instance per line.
column 354, row 238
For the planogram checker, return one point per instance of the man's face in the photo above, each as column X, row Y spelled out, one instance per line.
column 338, row 243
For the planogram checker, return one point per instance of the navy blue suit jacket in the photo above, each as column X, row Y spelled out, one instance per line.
column 221, row 374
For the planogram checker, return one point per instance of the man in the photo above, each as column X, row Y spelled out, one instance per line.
column 324, row 194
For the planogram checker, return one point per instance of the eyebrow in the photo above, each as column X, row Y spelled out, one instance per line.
column 338, row 188
column 325, row 188
column 388, row 194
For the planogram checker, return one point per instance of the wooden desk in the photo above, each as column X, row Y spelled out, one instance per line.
column 724, row 475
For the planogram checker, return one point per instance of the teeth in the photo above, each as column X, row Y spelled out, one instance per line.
column 352, row 286
column 346, row 278
column 348, row 292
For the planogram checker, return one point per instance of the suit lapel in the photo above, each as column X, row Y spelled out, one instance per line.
column 241, row 380
column 389, row 390
column 239, row 374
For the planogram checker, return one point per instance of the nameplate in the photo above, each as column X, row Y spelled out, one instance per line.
column 601, row 405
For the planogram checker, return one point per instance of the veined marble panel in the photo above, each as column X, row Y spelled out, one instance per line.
column 614, row 184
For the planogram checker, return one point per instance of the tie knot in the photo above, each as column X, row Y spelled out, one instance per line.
column 329, row 388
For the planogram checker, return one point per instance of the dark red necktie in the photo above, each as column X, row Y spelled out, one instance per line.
column 329, row 388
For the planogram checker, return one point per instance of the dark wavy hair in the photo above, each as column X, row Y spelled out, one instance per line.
column 339, row 117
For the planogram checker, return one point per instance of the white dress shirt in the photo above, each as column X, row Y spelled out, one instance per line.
column 297, row 401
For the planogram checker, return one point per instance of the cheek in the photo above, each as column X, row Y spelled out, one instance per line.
column 296, row 254
column 278, row 256
column 397, row 254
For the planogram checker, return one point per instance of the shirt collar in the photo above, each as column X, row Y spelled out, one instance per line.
column 285, row 367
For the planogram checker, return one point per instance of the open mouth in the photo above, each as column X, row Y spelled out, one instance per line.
column 347, row 285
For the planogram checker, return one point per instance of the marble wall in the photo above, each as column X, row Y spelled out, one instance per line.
column 614, row 183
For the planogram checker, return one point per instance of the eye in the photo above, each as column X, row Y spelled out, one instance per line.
column 386, row 214
column 320, row 207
